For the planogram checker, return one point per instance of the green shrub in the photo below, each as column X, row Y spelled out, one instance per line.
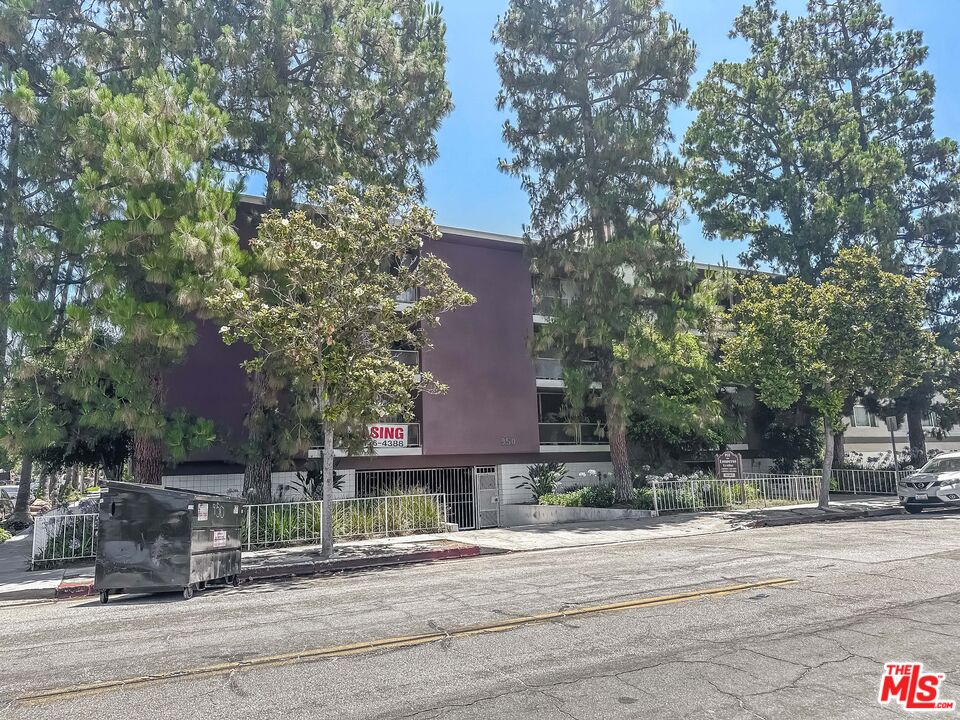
column 598, row 496
column 642, row 498
column 4, row 535
column 407, row 511
column 542, row 478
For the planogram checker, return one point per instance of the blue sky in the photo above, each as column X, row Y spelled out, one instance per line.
column 465, row 187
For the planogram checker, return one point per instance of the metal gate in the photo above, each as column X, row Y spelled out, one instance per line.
column 455, row 483
column 488, row 496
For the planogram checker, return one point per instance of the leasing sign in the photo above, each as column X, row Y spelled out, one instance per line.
column 384, row 435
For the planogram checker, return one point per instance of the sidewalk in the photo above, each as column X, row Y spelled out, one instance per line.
column 18, row 582
column 850, row 507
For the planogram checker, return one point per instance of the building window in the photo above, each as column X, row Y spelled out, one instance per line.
column 930, row 420
column 861, row 417
column 557, row 428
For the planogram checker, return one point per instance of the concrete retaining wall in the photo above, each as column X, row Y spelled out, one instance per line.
column 513, row 515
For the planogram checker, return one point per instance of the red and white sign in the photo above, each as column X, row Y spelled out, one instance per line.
column 388, row 436
column 906, row 684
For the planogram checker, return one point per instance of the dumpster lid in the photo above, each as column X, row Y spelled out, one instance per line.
column 171, row 492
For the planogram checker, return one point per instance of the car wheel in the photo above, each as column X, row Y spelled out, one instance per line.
column 913, row 509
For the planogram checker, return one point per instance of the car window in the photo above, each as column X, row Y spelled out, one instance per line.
column 940, row 465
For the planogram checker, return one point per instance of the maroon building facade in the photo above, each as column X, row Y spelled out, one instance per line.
column 490, row 423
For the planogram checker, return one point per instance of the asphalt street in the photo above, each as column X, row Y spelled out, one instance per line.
column 791, row 622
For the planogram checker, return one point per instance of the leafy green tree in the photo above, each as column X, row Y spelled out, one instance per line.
column 672, row 381
column 40, row 269
column 160, row 241
column 326, row 312
column 37, row 48
column 823, row 139
column 591, row 84
column 321, row 88
column 861, row 328
column 313, row 90
column 330, row 88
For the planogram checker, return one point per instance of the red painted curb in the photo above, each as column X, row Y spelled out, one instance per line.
column 83, row 588
column 74, row 588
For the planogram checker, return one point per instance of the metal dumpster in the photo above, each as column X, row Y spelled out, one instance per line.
column 154, row 539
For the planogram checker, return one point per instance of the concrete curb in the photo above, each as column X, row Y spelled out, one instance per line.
column 83, row 587
column 272, row 572
column 827, row 516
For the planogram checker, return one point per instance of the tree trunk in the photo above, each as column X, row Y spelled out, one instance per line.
column 258, row 474
column 113, row 473
column 326, row 547
column 148, row 449
column 258, row 480
column 827, row 464
column 279, row 195
column 838, row 448
column 21, row 508
column 918, row 440
column 617, row 433
column 53, row 488
column 147, row 459
column 8, row 239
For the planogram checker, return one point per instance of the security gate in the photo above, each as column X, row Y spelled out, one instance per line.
column 456, row 483
column 488, row 496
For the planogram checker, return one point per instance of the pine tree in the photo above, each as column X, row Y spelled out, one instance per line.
column 159, row 242
column 591, row 83
column 39, row 269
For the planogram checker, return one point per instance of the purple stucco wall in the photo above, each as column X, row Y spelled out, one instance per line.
column 482, row 353
column 212, row 384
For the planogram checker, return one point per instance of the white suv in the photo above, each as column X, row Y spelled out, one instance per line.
column 936, row 484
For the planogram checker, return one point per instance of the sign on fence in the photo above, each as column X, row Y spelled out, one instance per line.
column 729, row 466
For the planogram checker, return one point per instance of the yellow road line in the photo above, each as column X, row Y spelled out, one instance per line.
column 388, row 643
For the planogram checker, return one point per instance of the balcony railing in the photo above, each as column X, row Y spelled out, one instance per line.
column 552, row 368
column 573, row 434
column 407, row 357
column 547, row 305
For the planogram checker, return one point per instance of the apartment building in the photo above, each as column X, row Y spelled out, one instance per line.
column 868, row 435
column 502, row 412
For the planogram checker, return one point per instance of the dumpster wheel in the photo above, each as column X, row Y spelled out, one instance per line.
column 104, row 596
column 188, row 592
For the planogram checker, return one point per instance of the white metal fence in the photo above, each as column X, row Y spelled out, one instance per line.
column 62, row 538
column 753, row 491
column 456, row 484
column 300, row 523
column 866, row 482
